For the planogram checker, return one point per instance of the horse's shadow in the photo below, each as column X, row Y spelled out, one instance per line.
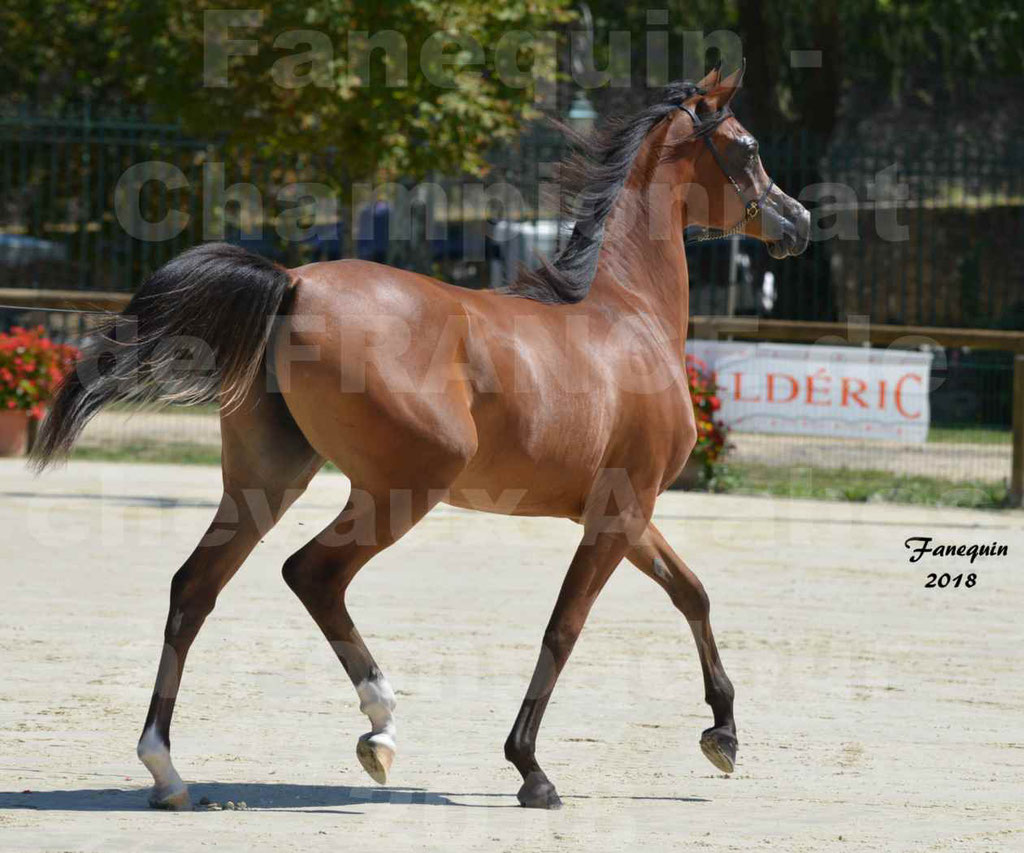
column 277, row 795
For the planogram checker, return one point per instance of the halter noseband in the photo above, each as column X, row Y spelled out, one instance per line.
column 751, row 209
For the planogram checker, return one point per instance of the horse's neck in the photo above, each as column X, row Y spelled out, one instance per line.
column 642, row 266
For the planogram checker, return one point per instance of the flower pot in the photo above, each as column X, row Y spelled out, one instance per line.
column 690, row 477
column 13, row 432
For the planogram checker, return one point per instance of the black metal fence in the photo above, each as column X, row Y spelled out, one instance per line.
column 96, row 202
column 906, row 235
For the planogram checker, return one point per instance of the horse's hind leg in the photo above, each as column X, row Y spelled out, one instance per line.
column 266, row 465
column 320, row 574
column 194, row 589
column 655, row 558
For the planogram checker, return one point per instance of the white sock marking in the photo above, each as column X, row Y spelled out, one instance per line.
column 377, row 701
column 154, row 754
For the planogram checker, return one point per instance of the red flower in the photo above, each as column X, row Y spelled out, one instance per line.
column 31, row 367
column 711, row 435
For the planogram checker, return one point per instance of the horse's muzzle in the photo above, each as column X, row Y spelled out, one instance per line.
column 786, row 226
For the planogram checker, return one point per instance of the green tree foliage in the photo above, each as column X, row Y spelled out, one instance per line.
column 302, row 80
column 889, row 48
column 150, row 54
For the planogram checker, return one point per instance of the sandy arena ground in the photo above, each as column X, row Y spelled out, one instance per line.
column 874, row 714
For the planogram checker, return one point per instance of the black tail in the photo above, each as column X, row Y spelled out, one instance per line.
column 213, row 304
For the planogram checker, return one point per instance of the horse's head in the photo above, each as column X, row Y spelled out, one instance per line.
column 738, row 196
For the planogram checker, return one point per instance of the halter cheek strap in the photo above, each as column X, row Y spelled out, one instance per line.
column 752, row 208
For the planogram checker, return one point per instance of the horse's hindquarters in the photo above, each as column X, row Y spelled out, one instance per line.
column 350, row 361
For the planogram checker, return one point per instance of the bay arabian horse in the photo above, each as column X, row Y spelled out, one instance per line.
column 563, row 395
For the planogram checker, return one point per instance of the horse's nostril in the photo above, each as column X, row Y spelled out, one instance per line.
column 774, row 224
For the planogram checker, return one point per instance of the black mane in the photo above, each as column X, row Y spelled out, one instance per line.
column 594, row 176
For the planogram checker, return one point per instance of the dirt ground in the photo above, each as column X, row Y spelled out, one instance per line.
column 873, row 714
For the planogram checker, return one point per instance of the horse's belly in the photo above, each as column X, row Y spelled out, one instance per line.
column 518, row 492
column 530, row 469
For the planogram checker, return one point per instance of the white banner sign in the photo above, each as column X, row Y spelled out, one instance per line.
column 820, row 390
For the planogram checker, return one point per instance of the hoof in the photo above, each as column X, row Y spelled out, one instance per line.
column 174, row 800
column 376, row 753
column 719, row 746
column 538, row 793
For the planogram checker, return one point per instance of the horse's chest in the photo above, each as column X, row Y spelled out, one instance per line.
column 667, row 430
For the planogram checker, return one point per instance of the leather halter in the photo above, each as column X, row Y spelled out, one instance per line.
column 751, row 209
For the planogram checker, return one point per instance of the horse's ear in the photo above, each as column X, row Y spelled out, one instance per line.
column 712, row 78
column 720, row 96
column 735, row 80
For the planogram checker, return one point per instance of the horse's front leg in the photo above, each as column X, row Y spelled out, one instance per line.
column 655, row 558
column 600, row 552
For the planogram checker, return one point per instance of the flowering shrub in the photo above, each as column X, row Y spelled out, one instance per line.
column 711, row 444
column 31, row 366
